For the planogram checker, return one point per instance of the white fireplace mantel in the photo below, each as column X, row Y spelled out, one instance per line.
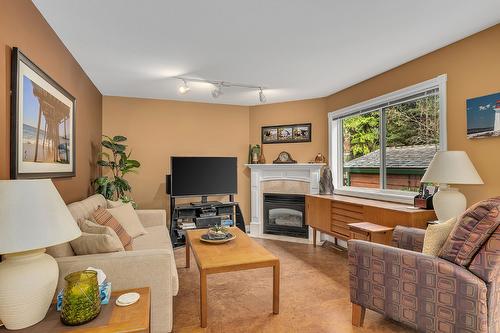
column 302, row 172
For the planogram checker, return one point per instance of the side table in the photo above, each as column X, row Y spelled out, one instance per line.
column 113, row 318
column 371, row 232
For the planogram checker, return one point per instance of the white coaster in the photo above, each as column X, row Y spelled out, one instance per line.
column 127, row 299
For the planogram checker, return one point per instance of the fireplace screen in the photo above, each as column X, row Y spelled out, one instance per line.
column 284, row 215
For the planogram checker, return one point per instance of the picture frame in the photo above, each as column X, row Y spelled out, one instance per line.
column 42, row 129
column 483, row 116
column 293, row 133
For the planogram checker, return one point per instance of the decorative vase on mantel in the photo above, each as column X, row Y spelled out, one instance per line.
column 262, row 158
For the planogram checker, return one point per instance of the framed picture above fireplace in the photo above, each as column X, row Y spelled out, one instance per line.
column 286, row 133
column 42, row 123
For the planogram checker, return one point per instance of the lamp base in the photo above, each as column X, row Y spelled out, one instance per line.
column 448, row 203
column 28, row 281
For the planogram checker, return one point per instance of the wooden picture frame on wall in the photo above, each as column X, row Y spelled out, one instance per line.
column 294, row 133
column 42, row 131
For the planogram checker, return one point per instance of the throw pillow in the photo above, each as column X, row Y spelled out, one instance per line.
column 471, row 231
column 127, row 217
column 436, row 235
column 103, row 217
column 101, row 240
column 114, row 204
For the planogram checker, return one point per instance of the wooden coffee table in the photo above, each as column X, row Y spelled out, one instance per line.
column 239, row 254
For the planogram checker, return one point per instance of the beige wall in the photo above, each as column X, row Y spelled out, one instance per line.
column 23, row 26
column 306, row 111
column 473, row 69
column 159, row 129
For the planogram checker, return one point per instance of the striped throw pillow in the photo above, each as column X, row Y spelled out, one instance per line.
column 103, row 217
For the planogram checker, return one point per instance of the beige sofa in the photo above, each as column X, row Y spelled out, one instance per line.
column 151, row 262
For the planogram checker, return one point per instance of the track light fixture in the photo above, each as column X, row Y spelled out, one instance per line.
column 262, row 97
column 218, row 90
column 218, row 86
column 184, row 88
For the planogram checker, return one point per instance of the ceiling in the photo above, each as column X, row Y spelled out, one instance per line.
column 297, row 49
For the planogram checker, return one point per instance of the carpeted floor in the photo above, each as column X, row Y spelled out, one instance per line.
column 314, row 296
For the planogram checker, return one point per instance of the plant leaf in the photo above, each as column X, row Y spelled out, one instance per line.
column 119, row 138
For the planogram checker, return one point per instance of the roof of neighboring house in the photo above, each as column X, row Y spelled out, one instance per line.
column 397, row 157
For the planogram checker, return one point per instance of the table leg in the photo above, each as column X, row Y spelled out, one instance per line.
column 314, row 236
column 203, row 298
column 188, row 254
column 276, row 288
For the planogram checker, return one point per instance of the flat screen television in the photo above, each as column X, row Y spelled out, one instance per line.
column 203, row 176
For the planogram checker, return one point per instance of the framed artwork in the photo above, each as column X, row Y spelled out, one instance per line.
column 286, row 133
column 42, row 137
column 483, row 116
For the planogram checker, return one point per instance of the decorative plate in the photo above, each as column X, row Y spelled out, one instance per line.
column 205, row 238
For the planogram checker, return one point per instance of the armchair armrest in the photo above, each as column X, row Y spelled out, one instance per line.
column 425, row 292
column 408, row 238
column 152, row 217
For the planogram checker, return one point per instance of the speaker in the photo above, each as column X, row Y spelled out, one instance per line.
column 168, row 184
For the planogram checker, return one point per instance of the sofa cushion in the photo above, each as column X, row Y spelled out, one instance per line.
column 96, row 239
column 486, row 263
column 471, row 231
column 436, row 235
column 127, row 217
column 157, row 237
column 79, row 210
column 103, row 217
column 85, row 208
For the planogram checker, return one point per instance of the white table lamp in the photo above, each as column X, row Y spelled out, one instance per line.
column 33, row 216
column 450, row 167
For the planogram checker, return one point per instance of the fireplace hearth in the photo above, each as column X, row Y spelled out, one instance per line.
column 284, row 214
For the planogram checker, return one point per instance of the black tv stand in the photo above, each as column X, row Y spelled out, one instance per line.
column 192, row 213
column 205, row 203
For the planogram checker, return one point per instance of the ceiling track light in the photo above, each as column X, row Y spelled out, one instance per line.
column 219, row 85
column 184, row 88
column 218, row 90
column 262, row 97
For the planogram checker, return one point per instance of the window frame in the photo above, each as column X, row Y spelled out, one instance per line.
column 335, row 132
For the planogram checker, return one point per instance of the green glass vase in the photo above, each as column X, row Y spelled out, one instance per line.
column 81, row 302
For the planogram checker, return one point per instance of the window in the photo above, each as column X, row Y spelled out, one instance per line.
column 383, row 146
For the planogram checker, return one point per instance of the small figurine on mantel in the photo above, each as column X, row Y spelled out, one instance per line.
column 254, row 154
column 320, row 158
column 326, row 180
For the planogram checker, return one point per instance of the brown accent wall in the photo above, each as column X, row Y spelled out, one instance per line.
column 305, row 111
column 22, row 25
column 473, row 69
column 159, row 129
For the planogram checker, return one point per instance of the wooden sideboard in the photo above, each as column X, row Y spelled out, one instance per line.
column 330, row 214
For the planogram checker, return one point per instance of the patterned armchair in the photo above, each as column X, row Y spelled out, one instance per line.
column 428, row 293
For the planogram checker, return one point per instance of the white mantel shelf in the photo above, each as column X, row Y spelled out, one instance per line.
column 302, row 172
column 286, row 166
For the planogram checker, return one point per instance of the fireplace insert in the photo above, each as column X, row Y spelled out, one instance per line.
column 284, row 214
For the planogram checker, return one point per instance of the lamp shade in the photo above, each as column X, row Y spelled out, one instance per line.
column 33, row 216
column 451, row 167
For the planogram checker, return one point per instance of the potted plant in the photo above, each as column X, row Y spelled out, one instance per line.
column 115, row 187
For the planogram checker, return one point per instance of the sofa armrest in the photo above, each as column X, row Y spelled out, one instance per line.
column 408, row 238
column 422, row 291
column 125, row 269
column 133, row 269
column 152, row 217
